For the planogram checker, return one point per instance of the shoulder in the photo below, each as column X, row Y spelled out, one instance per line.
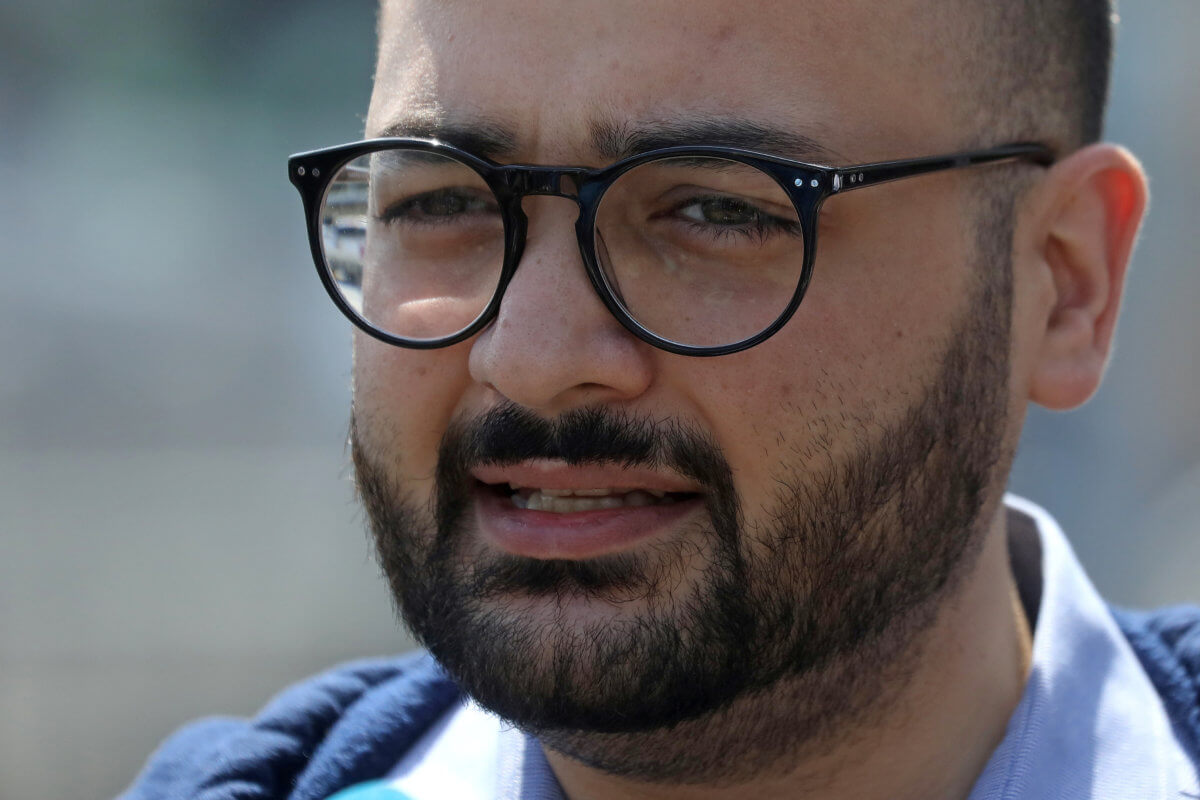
column 344, row 726
column 1167, row 642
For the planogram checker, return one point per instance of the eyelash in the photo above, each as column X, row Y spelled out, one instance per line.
column 763, row 226
column 402, row 210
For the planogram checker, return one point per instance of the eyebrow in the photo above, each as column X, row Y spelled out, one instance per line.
column 612, row 141
column 615, row 141
column 476, row 135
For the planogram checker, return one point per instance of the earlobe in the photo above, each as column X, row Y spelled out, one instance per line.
column 1091, row 207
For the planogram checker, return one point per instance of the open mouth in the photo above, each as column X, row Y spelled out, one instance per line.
column 570, row 501
column 548, row 510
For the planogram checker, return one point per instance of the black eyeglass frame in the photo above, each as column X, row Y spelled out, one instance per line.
column 807, row 185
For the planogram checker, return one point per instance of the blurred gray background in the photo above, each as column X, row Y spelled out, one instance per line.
column 177, row 530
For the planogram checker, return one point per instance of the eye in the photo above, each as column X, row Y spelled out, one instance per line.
column 725, row 217
column 722, row 211
column 441, row 205
column 446, row 204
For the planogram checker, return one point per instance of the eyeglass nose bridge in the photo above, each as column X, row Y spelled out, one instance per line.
column 524, row 181
column 572, row 183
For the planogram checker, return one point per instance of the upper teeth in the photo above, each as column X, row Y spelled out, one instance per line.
column 594, row 492
column 569, row 500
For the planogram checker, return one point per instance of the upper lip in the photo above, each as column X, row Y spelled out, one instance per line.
column 555, row 474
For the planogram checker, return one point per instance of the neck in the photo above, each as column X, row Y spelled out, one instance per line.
column 927, row 733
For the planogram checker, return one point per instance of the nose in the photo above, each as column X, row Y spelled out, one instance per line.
column 554, row 345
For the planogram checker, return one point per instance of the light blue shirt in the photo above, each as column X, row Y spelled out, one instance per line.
column 1089, row 724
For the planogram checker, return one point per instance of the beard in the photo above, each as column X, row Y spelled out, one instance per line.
column 734, row 641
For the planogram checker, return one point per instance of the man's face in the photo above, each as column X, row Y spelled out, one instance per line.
column 823, row 487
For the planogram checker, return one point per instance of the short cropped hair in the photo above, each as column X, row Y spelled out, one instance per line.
column 1039, row 68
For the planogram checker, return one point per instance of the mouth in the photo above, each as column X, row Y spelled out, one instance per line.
column 574, row 501
column 548, row 510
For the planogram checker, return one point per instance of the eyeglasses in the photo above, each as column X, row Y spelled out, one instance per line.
column 700, row 251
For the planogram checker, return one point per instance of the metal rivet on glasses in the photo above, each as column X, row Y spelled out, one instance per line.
column 815, row 183
column 316, row 173
column 300, row 171
column 799, row 181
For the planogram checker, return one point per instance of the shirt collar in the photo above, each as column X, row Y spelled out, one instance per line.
column 1089, row 723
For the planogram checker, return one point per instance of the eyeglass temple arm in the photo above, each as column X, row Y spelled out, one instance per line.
column 847, row 178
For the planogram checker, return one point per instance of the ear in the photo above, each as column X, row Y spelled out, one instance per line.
column 1085, row 218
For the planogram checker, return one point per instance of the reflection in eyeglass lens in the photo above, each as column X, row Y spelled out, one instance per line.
column 432, row 243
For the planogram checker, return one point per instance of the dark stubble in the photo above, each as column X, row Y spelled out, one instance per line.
column 736, row 642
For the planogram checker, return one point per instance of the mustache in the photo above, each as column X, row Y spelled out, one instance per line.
column 509, row 434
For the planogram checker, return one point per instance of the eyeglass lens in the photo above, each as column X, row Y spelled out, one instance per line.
column 414, row 242
column 702, row 251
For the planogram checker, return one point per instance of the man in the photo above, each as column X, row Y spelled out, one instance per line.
column 674, row 532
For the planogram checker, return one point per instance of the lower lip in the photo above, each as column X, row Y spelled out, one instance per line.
column 575, row 535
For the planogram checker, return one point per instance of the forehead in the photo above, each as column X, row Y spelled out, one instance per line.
column 858, row 78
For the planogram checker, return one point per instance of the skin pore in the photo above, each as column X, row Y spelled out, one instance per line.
column 897, row 285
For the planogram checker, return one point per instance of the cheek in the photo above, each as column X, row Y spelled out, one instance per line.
column 859, row 353
column 403, row 402
column 888, row 269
